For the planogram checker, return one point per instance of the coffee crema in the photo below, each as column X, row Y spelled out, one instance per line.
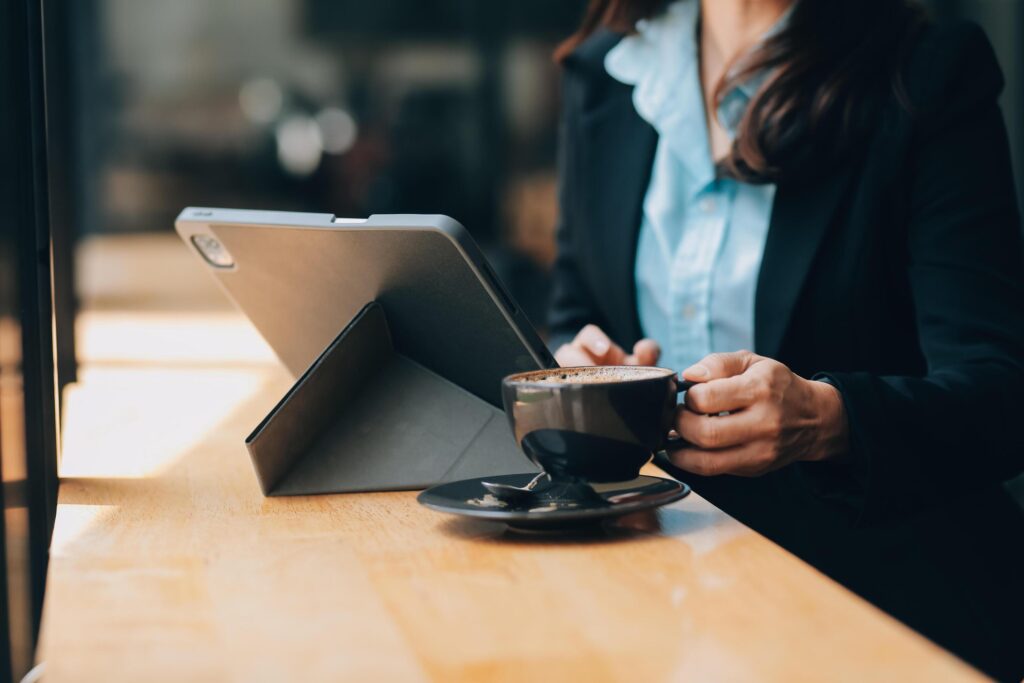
column 591, row 375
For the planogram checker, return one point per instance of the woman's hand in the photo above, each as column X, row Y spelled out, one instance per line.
column 593, row 347
column 775, row 417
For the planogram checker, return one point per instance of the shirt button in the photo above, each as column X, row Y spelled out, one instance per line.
column 707, row 204
column 689, row 310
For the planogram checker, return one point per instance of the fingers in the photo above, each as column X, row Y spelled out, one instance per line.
column 593, row 347
column 749, row 460
column 596, row 343
column 593, row 339
column 720, row 365
column 726, row 382
column 724, row 395
column 645, row 352
column 569, row 356
column 725, row 431
column 749, row 440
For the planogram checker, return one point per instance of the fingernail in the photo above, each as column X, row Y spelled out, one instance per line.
column 696, row 371
column 601, row 347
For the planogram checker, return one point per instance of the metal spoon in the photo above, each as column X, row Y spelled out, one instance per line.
column 514, row 495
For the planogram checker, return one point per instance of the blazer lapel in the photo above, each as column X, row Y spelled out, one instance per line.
column 616, row 160
column 800, row 218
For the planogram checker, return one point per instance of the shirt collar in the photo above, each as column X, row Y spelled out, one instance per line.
column 660, row 61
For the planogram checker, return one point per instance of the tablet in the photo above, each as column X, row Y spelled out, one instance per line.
column 301, row 277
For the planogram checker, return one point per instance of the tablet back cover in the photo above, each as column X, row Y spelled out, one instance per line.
column 365, row 417
column 302, row 278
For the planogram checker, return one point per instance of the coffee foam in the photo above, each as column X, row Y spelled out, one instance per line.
column 593, row 375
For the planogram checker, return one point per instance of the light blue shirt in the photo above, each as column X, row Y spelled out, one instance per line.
column 701, row 237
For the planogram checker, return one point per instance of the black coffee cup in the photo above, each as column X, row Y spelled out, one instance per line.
column 599, row 424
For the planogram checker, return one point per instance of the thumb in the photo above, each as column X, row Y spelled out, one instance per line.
column 645, row 352
column 719, row 365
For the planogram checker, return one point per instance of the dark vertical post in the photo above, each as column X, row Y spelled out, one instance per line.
column 61, row 112
column 6, row 643
column 28, row 411
column 38, row 332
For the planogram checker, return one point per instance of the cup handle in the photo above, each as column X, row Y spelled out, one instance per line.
column 675, row 443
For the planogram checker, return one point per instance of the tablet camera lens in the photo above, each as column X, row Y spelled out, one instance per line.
column 213, row 251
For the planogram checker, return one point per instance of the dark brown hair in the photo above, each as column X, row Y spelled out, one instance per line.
column 828, row 67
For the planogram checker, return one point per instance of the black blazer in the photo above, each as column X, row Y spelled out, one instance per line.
column 898, row 275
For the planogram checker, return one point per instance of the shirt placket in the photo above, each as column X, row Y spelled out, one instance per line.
column 692, row 272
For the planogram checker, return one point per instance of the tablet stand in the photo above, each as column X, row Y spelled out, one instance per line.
column 364, row 417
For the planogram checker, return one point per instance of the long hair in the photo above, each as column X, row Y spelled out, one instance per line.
column 828, row 69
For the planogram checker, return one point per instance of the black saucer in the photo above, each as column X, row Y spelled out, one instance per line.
column 469, row 499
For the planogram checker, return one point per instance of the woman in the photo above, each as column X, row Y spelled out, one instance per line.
column 825, row 182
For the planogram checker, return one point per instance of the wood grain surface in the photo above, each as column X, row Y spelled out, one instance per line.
column 168, row 564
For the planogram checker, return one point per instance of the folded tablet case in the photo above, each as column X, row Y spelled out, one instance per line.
column 364, row 417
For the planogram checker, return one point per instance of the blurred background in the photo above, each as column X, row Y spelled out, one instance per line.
column 345, row 107
column 340, row 106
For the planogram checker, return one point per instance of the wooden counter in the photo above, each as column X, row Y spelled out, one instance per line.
column 168, row 564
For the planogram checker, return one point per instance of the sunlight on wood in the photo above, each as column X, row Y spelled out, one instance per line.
column 192, row 338
column 137, row 422
column 72, row 523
